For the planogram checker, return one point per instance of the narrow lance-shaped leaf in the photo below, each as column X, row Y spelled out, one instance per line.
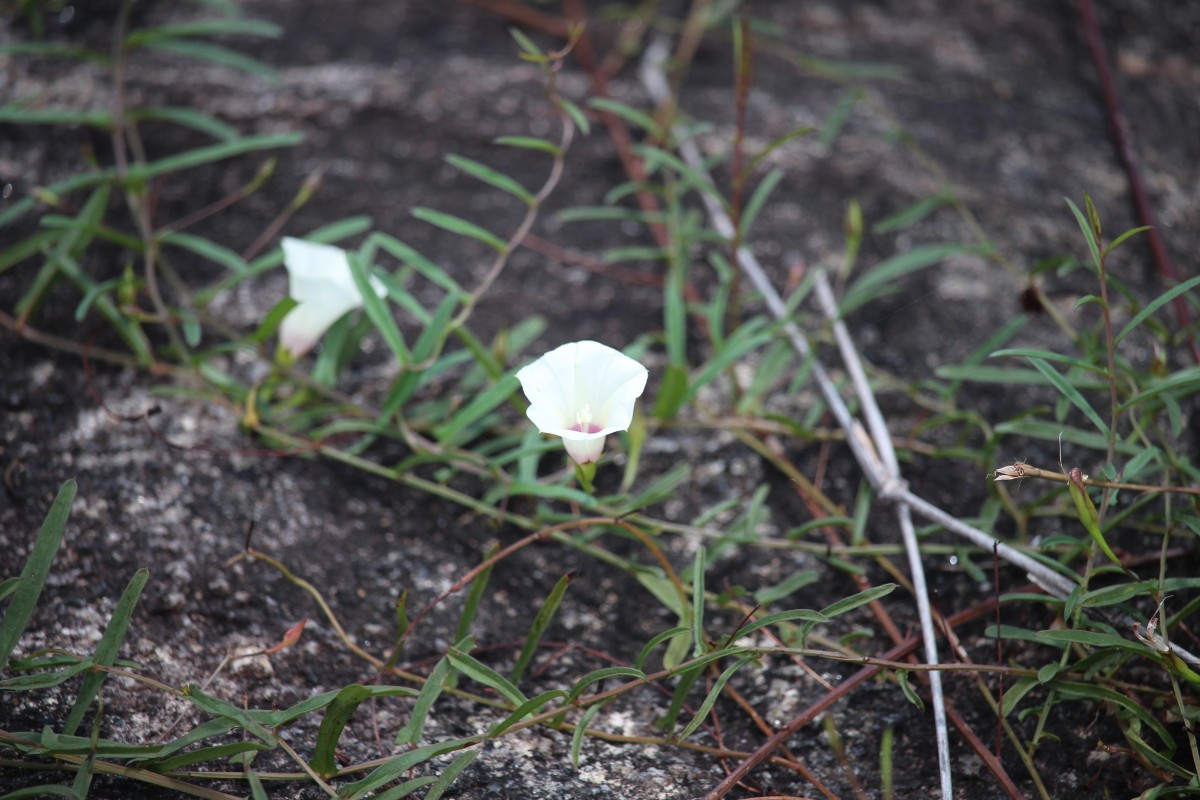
column 698, row 566
column 460, row 762
column 540, row 623
column 415, row 729
column 106, row 651
column 713, row 694
column 1070, row 392
column 377, row 310
column 334, row 722
column 482, row 673
column 37, row 567
column 460, row 226
column 1086, row 511
column 493, row 177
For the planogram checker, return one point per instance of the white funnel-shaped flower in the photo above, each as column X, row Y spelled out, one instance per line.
column 582, row 391
column 319, row 280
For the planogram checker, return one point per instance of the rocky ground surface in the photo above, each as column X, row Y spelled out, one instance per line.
column 1001, row 96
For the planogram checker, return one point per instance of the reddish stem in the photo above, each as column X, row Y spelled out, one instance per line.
column 1118, row 129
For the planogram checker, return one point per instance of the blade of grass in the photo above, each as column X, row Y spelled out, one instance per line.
column 33, row 575
column 540, row 623
column 333, row 723
column 106, row 651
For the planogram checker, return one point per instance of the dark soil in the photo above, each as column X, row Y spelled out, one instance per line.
column 1001, row 95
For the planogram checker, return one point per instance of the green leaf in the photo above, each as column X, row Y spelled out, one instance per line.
column 33, row 575
column 8, row 586
column 106, row 651
column 907, row 689
column 492, row 177
column 1086, row 511
column 757, row 200
column 1048, row 672
column 772, row 146
column 787, row 586
column 28, row 247
column 21, row 115
column 1049, row 431
column 526, row 709
column 482, row 404
column 697, row 609
column 208, row 27
column 1185, row 380
column 882, row 279
column 216, row 54
column 687, row 679
column 1049, row 355
column 540, row 623
column 460, row 762
column 909, row 216
column 59, row 49
column 656, row 158
column 481, row 673
column 580, row 730
column 336, row 716
column 1117, row 242
column 271, row 322
column 213, row 753
column 394, row 767
column 474, row 597
column 460, row 226
column 656, row 640
column 208, row 249
column 979, row 373
column 210, row 153
column 635, row 117
column 837, row 118
column 529, row 143
column 1156, row 304
column 434, row 684
column 713, row 694
column 43, row 680
column 1087, row 691
column 404, row 791
column 671, row 393
column 746, row 339
column 1091, row 639
column 377, row 310
column 1015, row 694
column 220, row 708
column 576, row 114
column 418, row 262
column 44, row 790
column 1070, row 392
column 810, row 617
column 661, row 489
column 860, row 599
column 604, row 674
column 1087, row 231
column 188, row 118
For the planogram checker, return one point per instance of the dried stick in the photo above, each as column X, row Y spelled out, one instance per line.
column 888, row 478
column 881, row 474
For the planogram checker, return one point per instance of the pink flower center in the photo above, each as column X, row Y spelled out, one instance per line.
column 583, row 421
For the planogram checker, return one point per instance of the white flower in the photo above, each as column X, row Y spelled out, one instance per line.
column 319, row 280
column 582, row 391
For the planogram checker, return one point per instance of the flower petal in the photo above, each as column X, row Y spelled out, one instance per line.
column 320, row 281
column 585, row 451
column 582, row 391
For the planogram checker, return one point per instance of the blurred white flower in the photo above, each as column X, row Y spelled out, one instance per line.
column 319, row 280
column 582, row 391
